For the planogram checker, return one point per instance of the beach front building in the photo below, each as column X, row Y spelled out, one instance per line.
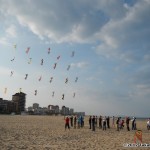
column 3, row 105
column 7, row 107
column 57, row 111
column 52, row 109
column 65, row 111
column 71, row 111
column 20, row 100
column 30, row 108
column 35, row 105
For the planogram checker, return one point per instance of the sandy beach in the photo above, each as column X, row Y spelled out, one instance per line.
column 48, row 133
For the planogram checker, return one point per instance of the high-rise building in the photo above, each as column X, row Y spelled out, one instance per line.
column 7, row 106
column 71, row 112
column 35, row 106
column 20, row 100
column 65, row 110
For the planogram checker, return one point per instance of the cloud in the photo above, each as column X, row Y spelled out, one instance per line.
column 4, row 41
column 62, row 21
column 5, row 71
column 126, row 38
column 11, row 31
column 86, row 21
column 141, row 78
column 121, row 35
column 80, row 64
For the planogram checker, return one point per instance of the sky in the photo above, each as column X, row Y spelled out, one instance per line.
column 110, row 41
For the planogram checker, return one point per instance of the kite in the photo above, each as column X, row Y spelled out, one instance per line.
column 74, row 94
column 26, row 76
column 58, row 57
column 30, row 59
column 13, row 59
column 42, row 61
column 72, row 55
column 40, row 78
column 27, row 50
column 49, row 50
column 63, row 96
column 66, row 80
column 11, row 73
column 5, row 91
column 55, row 65
column 35, row 92
column 51, row 79
column 76, row 79
column 68, row 67
column 53, row 94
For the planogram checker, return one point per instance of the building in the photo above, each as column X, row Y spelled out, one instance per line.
column 57, row 111
column 3, row 105
column 6, row 106
column 71, row 111
column 20, row 100
column 35, row 106
column 65, row 110
column 30, row 108
column 53, row 109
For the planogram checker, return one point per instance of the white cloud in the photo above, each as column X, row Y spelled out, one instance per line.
column 80, row 64
column 60, row 21
column 7, row 72
column 4, row 41
column 11, row 31
column 83, row 21
column 4, row 71
column 126, row 37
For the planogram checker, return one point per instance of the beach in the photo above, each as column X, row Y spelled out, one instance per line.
column 48, row 133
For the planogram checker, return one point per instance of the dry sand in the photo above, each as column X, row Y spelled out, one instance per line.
column 48, row 133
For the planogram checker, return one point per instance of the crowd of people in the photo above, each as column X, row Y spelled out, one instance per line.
column 102, row 122
column 76, row 122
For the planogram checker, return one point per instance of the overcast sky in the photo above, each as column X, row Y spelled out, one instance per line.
column 110, row 40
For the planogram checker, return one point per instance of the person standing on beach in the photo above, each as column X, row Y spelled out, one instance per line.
column 71, row 121
column 90, row 121
column 113, row 121
column 117, row 122
column 67, row 123
column 82, row 121
column 75, row 122
column 104, row 123
column 134, row 123
column 107, row 119
column 120, row 121
column 93, row 123
column 79, row 123
column 127, row 123
column 100, row 122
